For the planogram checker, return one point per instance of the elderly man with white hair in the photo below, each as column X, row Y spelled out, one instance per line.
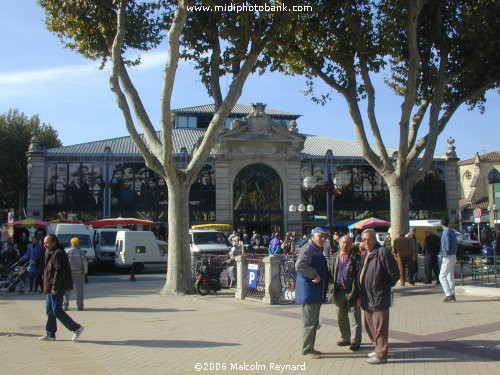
column 378, row 275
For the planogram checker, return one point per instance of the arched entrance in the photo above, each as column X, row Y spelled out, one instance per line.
column 258, row 200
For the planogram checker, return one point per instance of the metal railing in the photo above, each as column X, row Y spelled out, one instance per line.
column 481, row 266
column 282, row 287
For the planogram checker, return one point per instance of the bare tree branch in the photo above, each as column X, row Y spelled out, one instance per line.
column 414, row 10
column 215, row 89
column 370, row 91
column 416, row 121
column 200, row 154
column 317, row 70
column 119, row 76
column 174, row 33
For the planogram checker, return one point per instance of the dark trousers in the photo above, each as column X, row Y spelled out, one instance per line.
column 54, row 310
column 377, row 328
column 431, row 265
column 402, row 262
column 35, row 279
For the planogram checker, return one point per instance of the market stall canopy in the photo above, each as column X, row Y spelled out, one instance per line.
column 30, row 223
column 369, row 223
column 119, row 221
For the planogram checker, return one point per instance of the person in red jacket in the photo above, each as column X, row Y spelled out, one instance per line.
column 56, row 280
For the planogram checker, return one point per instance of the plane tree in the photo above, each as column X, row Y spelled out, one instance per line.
column 16, row 131
column 435, row 55
column 219, row 43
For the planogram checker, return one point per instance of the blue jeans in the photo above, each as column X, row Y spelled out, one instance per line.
column 53, row 308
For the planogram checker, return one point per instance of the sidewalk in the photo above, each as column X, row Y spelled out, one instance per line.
column 130, row 329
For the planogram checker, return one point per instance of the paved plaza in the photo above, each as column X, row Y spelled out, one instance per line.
column 131, row 329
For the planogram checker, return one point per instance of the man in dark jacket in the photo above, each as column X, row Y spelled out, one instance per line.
column 431, row 251
column 311, row 287
column 344, row 292
column 378, row 275
column 56, row 280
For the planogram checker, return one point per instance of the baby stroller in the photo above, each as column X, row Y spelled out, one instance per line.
column 15, row 276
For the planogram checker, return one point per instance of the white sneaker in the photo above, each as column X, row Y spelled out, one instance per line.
column 372, row 355
column 77, row 333
column 47, row 338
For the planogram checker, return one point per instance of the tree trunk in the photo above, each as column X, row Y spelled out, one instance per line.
column 400, row 207
column 179, row 278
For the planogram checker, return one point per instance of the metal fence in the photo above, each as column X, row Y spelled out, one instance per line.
column 282, row 287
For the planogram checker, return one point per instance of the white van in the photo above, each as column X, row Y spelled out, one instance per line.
column 208, row 241
column 65, row 232
column 104, row 240
column 138, row 249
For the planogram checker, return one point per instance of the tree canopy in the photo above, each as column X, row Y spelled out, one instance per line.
column 16, row 130
column 220, row 43
column 436, row 55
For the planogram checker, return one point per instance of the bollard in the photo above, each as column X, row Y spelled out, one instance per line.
column 132, row 273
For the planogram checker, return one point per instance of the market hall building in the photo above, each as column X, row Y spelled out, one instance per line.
column 252, row 179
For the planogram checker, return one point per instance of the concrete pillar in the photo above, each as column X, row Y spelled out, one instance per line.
column 241, row 276
column 271, row 270
column 223, row 193
column 36, row 173
column 452, row 182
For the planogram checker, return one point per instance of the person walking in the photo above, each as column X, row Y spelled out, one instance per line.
column 403, row 248
column 431, row 250
column 448, row 254
column 344, row 292
column 311, row 287
column 35, row 255
column 378, row 275
column 416, row 250
column 56, row 280
column 79, row 266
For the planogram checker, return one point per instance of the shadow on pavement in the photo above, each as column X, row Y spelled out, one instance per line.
column 426, row 350
column 13, row 334
column 163, row 343
column 133, row 309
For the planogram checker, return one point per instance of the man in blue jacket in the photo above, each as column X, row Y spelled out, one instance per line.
column 311, row 287
column 448, row 254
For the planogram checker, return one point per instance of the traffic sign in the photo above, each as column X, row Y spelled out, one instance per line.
column 477, row 220
column 477, row 212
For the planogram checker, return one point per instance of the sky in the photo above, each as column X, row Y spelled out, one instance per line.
column 39, row 76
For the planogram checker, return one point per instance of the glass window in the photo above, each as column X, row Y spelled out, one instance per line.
column 192, row 122
column 206, row 238
column 257, row 187
column 107, row 238
column 140, row 249
column 182, row 121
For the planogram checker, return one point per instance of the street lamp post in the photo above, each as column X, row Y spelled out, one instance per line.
column 334, row 187
column 300, row 209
